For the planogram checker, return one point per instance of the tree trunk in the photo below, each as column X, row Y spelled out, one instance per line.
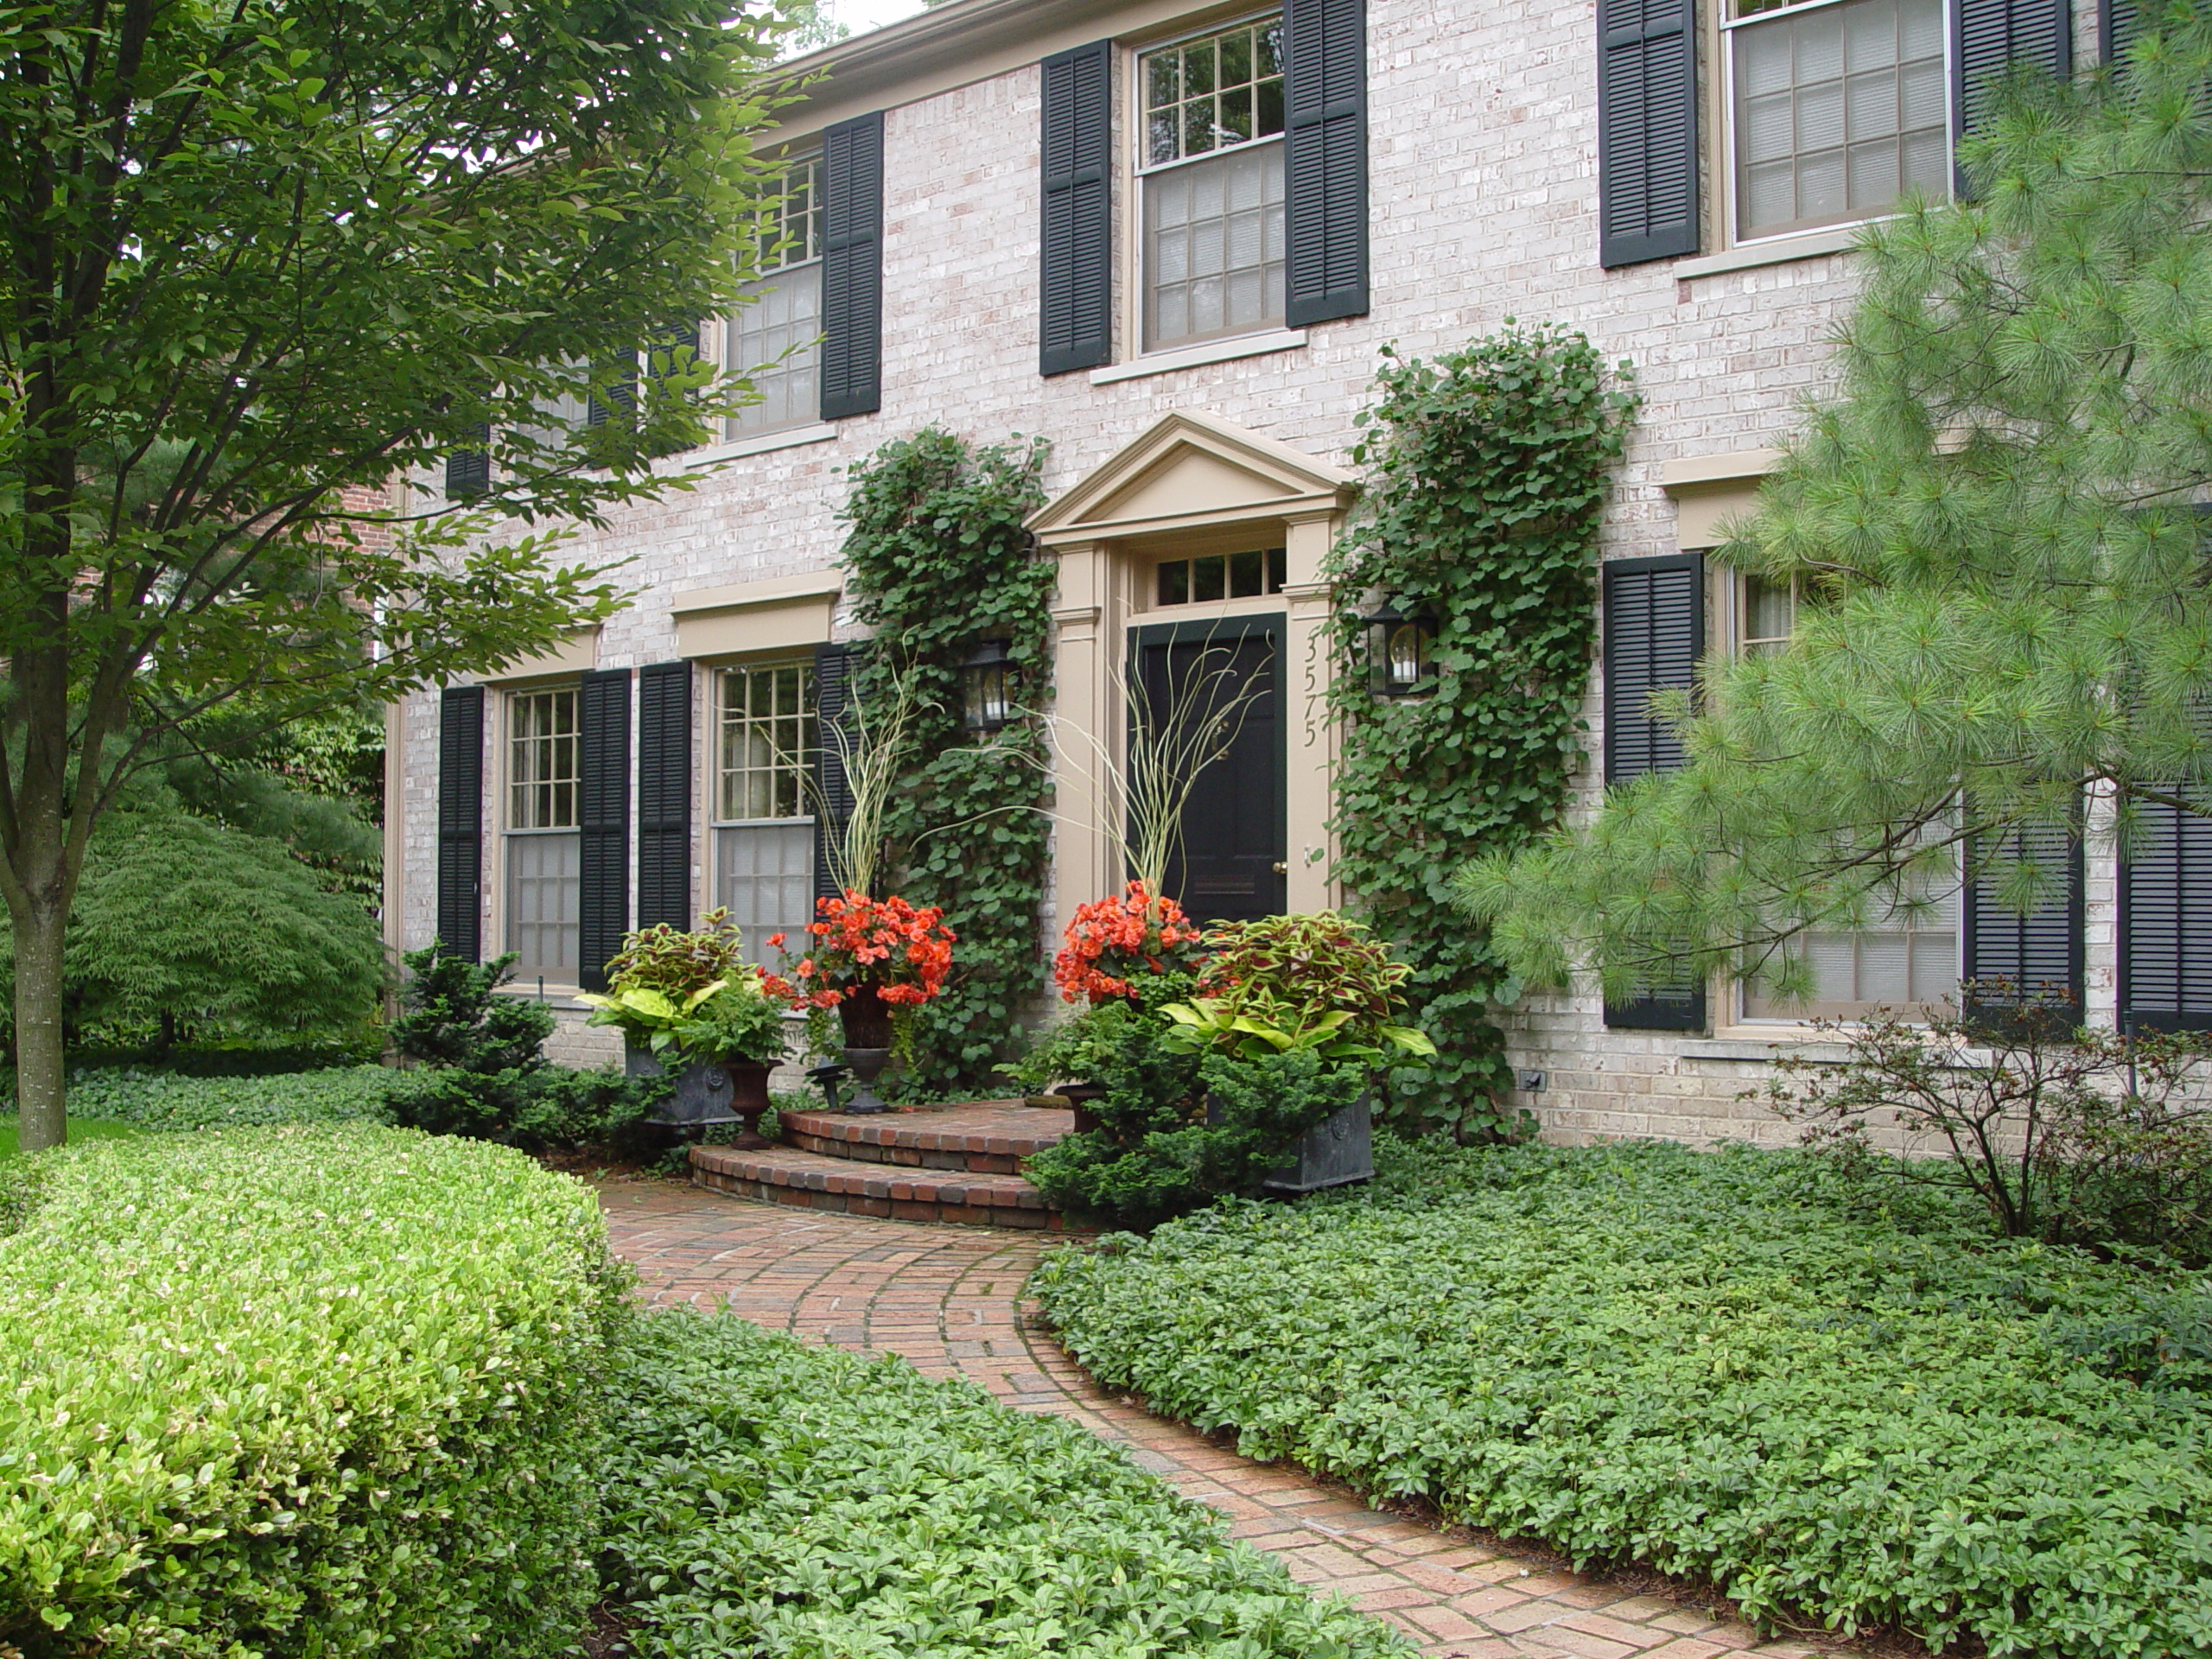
column 40, row 936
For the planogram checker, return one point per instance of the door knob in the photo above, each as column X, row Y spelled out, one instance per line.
column 1282, row 869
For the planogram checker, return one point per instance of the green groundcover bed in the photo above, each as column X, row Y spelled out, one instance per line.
column 114, row 1104
column 774, row 1499
column 330, row 1389
column 1841, row 1405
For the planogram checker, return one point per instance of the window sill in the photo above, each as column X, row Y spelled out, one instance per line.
column 789, row 438
column 1191, row 356
column 1811, row 244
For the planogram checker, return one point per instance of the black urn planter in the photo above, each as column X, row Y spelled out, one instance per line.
column 1084, row 1098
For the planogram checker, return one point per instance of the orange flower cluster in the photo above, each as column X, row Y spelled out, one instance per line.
column 1112, row 940
column 904, row 952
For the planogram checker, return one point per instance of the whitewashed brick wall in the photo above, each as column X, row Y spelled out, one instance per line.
column 1483, row 145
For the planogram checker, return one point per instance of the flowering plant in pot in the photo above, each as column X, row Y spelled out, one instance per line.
column 690, row 998
column 869, row 959
column 1114, row 942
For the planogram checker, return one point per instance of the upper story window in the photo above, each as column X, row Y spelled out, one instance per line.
column 1211, row 167
column 776, row 341
column 1766, row 614
column 1836, row 109
column 544, row 843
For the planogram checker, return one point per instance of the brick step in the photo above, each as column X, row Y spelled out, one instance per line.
column 809, row 1181
column 981, row 1137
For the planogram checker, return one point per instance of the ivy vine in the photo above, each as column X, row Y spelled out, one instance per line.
column 1488, row 470
column 939, row 560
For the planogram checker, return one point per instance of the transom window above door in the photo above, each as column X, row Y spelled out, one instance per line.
column 1837, row 109
column 1210, row 157
column 1220, row 576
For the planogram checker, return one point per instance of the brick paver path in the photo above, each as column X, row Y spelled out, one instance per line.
column 947, row 1298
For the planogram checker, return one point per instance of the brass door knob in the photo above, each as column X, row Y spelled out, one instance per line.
column 1282, row 869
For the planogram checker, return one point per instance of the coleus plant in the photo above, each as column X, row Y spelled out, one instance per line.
column 1289, row 983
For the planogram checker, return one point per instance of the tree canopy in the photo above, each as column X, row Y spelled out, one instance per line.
column 262, row 257
column 1995, row 529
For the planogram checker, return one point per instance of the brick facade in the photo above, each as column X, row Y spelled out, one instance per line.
column 1482, row 147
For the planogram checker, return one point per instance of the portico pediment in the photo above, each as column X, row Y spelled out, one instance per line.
column 1186, row 472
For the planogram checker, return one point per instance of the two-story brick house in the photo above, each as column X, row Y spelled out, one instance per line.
column 1170, row 237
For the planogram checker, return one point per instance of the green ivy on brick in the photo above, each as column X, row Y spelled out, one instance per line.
column 1488, row 470
column 939, row 560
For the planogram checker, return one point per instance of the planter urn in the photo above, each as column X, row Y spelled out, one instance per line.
column 866, row 1021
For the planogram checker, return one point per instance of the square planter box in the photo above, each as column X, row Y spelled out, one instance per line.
column 1335, row 1152
column 703, row 1096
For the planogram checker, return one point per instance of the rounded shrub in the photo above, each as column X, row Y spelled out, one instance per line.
column 328, row 1389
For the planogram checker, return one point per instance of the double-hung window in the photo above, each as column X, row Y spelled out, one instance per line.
column 775, row 342
column 1211, row 171
column 764, row 821
column 1908, row 958
column 543, row 840
column 1836, row 110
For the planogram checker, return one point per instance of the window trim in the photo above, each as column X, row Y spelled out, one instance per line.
column 1720, row 56
column 713, row 769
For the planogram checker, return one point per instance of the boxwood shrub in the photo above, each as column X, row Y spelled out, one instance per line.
column 773, row 1498
column 1719, row 1364
column 326, row 1390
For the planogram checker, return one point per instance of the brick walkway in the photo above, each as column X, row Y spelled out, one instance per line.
column 946, row 1298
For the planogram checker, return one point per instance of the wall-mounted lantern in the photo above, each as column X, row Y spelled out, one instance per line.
column 1398, row 651
column 986, row 683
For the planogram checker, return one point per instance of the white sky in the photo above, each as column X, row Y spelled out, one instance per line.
column 862, row 15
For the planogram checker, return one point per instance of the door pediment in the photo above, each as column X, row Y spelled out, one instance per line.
column 1188, row 471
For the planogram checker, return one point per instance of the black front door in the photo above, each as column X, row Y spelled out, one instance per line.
column 1219, row 684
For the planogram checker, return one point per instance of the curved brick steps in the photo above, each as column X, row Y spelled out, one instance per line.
column 955, row 1163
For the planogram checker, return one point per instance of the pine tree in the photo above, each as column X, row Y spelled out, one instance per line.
column 1996, row 531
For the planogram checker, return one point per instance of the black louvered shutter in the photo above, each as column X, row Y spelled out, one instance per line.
column 460, row 821
column 1647, row 131
column 469, row 472
column 2117, row 22
column 2166, row 921
column 664, row 794
column 2030, row 961
column 615, row 396
column 1991, row 36
column 852, row 268
column 833, row 804
column 1324, row 160
column 1654, row 634
column 603, row 820
column 1075, row 287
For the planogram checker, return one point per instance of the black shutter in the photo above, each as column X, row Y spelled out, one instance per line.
column 833, row 805
column 615, row 396
column 1077, row 284
column 460, row 821
column 664, row 794
column 1654, row 634
column 2038, row 956
column 852, row 267
column 2118, row 22
column 603, row 819
column 2166, row 921
column 1647, row 131
column 1324, row 160
column 469, row 472
column 1991, row 36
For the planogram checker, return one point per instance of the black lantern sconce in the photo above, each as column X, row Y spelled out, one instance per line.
column 1399, row 646
column 987, row 687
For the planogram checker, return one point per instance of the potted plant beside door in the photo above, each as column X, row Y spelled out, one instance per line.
column 689, row 1002
column 871, row 960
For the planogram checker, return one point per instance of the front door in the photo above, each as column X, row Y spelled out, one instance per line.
column 1213, row 691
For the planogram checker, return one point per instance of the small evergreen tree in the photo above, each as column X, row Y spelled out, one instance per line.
column 1995, row 531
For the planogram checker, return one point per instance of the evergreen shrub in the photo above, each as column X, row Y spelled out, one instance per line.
column 1837, row 1405
column 328, row 1390
column 770, row 1497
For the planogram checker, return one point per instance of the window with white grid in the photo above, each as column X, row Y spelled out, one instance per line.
column 1837, row 109
column 1212, row 175
column 542, row 845
column 764, row 829
column 774, row 342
